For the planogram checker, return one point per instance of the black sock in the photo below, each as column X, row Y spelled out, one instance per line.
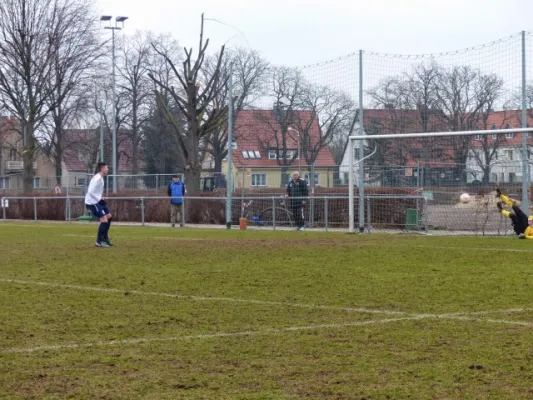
column 102, row 231
column 107, row 229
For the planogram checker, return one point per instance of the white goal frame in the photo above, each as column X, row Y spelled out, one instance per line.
column 399, row 136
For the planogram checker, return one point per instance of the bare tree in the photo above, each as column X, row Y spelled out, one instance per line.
column 197, row 104
column 76, row 53
column 326, row 113
column 28, row 43
column 249, row 72
column 394, row 114
column 287, row 86
column 136, row 89
column 160, row 144
column 462, row 95
column 484, row 151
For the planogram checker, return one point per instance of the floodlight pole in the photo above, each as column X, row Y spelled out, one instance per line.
column 114, row 95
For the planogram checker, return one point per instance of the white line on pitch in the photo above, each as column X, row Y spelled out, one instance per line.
column 264, row 302
column 202, row 298
column 461, row 248
column 206, row 336
column 491, row 320
column 253, row 333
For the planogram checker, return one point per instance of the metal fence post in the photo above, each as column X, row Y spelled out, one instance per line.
column 34, row 209
column 184, row 211
column 369, row 215
column 326, row 207
column 69, row 208
column 274, row 213
column 3, row 207
column 142, row 210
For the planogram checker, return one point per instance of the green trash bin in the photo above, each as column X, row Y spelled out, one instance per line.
column 411, row 220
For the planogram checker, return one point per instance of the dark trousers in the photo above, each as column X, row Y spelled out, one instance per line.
column 519, row 220
column 297, row 213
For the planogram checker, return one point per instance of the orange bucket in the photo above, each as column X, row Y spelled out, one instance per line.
column 243, row 223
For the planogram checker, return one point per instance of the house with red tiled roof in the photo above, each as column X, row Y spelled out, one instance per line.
column 497, row 158
column 487, row 159
column 81, row 153
column 398, row 162
column 267, row 149
column 12, row 164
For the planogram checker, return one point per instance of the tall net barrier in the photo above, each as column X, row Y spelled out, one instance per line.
column 457, row 198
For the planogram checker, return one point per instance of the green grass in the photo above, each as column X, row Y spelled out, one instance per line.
column 216, row 314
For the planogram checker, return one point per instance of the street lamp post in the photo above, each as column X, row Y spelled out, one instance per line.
column 114, row 117
column 299, row 153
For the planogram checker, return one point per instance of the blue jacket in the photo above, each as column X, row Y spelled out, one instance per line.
column 176, row 190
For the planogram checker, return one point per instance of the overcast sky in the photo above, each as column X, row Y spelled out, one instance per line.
column 301, row 32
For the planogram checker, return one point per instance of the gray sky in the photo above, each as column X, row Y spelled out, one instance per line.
column 301, row 32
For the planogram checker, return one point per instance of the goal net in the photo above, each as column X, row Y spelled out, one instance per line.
column 437, row 182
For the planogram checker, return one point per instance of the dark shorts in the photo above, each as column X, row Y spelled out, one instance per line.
column 98, row 210
column 520, row 221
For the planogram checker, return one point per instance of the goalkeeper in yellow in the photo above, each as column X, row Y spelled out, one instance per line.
column 522, row 225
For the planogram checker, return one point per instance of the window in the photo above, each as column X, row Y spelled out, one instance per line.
column 502, row 177
column 437, row 153
column 512, row 177
column 494, row 136
column 251, row 154
column 494, row 178
column 316, row 182
column 36, row 183
column 80, row 182
column 479, row 137
column 509, row 135
column 290, row 154
column 509, row 154
column 416, row 153
column 4, row 183
column 13, row 155
column 259, row 179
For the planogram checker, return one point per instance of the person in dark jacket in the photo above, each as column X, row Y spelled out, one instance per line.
column 176, row 191
column 298, row 193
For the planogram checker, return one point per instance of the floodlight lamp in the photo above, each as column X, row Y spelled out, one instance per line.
column 121, row 19
column 105, row 18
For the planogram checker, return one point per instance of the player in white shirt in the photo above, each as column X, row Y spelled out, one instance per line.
column 98, row 207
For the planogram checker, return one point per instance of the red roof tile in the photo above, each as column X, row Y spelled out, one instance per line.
column 258, row 130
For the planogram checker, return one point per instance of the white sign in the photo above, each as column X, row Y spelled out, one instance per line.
column 4, row 202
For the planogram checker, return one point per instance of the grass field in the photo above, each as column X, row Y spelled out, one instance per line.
column 216, row 314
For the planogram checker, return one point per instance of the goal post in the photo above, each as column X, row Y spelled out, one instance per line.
column 446, row 164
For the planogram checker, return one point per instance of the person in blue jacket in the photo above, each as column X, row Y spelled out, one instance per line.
column 176, row 191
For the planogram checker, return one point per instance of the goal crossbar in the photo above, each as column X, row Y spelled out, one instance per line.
column 434, row 134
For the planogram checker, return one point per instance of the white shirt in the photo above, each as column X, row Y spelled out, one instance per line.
column 95, row 190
